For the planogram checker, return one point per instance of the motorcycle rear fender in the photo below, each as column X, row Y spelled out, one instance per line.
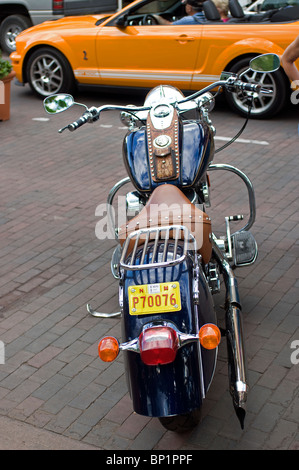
column 180, row 386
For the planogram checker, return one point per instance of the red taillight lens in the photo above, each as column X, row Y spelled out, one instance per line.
column 58, row 5
column 158, row 345
column 108, row 349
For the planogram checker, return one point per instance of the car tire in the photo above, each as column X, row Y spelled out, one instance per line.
column 49, row 72
column 264, row 106
column 10, row 27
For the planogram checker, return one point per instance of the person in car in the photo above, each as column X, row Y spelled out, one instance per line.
column 195, row 15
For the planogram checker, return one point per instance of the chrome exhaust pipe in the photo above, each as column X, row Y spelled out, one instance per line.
column 236, row 361
column 234, row 335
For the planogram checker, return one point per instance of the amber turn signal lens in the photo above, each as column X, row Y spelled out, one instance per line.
column 108, row 349
column 209, row 336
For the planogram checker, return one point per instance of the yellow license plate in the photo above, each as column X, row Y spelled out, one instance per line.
column 154, row 298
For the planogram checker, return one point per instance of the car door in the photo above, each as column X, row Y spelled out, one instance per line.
column 148, row 55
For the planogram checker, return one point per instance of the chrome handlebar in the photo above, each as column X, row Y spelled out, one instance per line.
column 233, row 83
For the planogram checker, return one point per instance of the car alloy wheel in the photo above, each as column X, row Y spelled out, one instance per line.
column 10, row 28
column 261, row 102
column 263, row 105
column 10, row 38
column 46, row 75
column 49, row 72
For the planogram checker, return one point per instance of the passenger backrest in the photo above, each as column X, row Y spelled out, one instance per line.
column 210, row 11
column 235, row 9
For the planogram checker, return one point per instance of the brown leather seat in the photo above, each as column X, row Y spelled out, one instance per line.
column 169, row 206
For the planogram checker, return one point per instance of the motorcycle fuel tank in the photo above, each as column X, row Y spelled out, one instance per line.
column 196, row 150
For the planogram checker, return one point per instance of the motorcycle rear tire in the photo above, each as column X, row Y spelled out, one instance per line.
column 182, row 423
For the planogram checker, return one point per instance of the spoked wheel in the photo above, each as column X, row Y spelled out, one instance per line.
column 264, row 105
column 49, row 72
column 182, row 423
column 9, row 30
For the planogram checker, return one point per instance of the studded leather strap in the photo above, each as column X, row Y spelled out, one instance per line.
column 163, row 148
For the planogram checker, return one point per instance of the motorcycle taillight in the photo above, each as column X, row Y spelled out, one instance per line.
column 158, row 345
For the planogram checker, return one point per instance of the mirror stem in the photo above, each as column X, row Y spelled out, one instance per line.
column 244, row 73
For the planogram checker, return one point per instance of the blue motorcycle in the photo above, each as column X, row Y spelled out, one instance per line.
column 168, row 261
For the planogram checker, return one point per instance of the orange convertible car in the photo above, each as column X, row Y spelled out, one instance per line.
column 135, row 48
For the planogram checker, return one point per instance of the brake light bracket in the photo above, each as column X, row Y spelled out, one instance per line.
column 159, row 335
column 183, row 338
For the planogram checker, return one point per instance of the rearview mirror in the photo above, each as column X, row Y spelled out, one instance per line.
column 57, row 103
column 122, row 21
column 265, row 63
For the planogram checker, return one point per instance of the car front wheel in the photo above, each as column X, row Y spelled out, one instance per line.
column 49, row 72
column 263, row 105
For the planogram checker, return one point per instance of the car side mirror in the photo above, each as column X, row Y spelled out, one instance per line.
column 122, row 21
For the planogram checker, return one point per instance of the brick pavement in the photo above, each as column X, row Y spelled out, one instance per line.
column 54, row 391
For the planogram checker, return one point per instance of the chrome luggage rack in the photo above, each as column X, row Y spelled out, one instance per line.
column 156, row 234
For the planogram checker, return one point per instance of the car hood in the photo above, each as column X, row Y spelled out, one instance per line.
column 68, row 22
